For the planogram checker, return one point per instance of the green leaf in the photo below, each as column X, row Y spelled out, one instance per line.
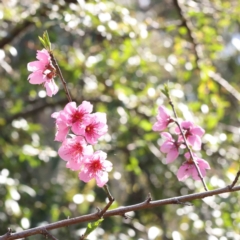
column 42, row 41
column 92, row 226
column 47, row 40
column 165, row 91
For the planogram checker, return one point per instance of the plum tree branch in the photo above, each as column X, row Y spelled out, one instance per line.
column 147, row 204
column 198, row 52
column 59, row 72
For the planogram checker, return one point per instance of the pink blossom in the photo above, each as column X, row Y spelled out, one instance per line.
column 95, row 166
column 163, row 119
column 74, row 150
column 96, row 127
column 188, row 168
column 62, row 126
column 170, row 146
column 73, row 117
column 43, row 71
column 78, row 117
column 192, row 133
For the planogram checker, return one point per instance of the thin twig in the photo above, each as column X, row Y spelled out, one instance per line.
column 188, row 148
column 187, row 24
column 224, row 83
column 235, row 180
column 110, row 198
column 59, row 72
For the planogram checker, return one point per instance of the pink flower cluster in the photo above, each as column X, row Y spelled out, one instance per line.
column 43, row 71
column 76, row 150
column 87, row 127
column 171, row 146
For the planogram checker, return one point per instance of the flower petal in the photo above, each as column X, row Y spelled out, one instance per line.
column 183, row 173
column 166, row 146
column 51, row 87
column 36, row 77
column 172, row 155
column 84, row 176
column 35, row 65
column 102, row 179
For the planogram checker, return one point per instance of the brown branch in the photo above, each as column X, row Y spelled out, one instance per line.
column 198, row 53
column 120, row 211
column 224, row 83
column 27, row 22
column 187, row 146
column 235, row 180
column 187, row 24
column 61, row 77
column 110, row 198
column 14, row 33
column 33, row 109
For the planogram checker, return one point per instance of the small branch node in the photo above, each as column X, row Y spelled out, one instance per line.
column 98, row 210
column 81, row 238
column 149, row 198
column 47, row 234
column 6, row 235
column 110, row 197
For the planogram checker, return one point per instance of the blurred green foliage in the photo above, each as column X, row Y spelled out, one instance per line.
column 118, row 58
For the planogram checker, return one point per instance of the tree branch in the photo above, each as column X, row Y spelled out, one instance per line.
column 235, row 180
column 61, row 77
column 188, row 25
column 33, row 109
column 14, row 33
column 198, row 53
column 119, row 212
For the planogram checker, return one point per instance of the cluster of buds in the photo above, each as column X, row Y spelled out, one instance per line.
column 189, row 132
column 86, row 127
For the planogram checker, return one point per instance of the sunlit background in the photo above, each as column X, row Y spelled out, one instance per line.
column 118, row 55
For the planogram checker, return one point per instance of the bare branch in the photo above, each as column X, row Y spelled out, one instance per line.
column 188, row 25
column 235, row 180
column 61, row 76
column 35, row 108
column 47, row 234
column 198, row 52
column 15, row 32
column 110, row 198
column 224, row 83
column 121, row 211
